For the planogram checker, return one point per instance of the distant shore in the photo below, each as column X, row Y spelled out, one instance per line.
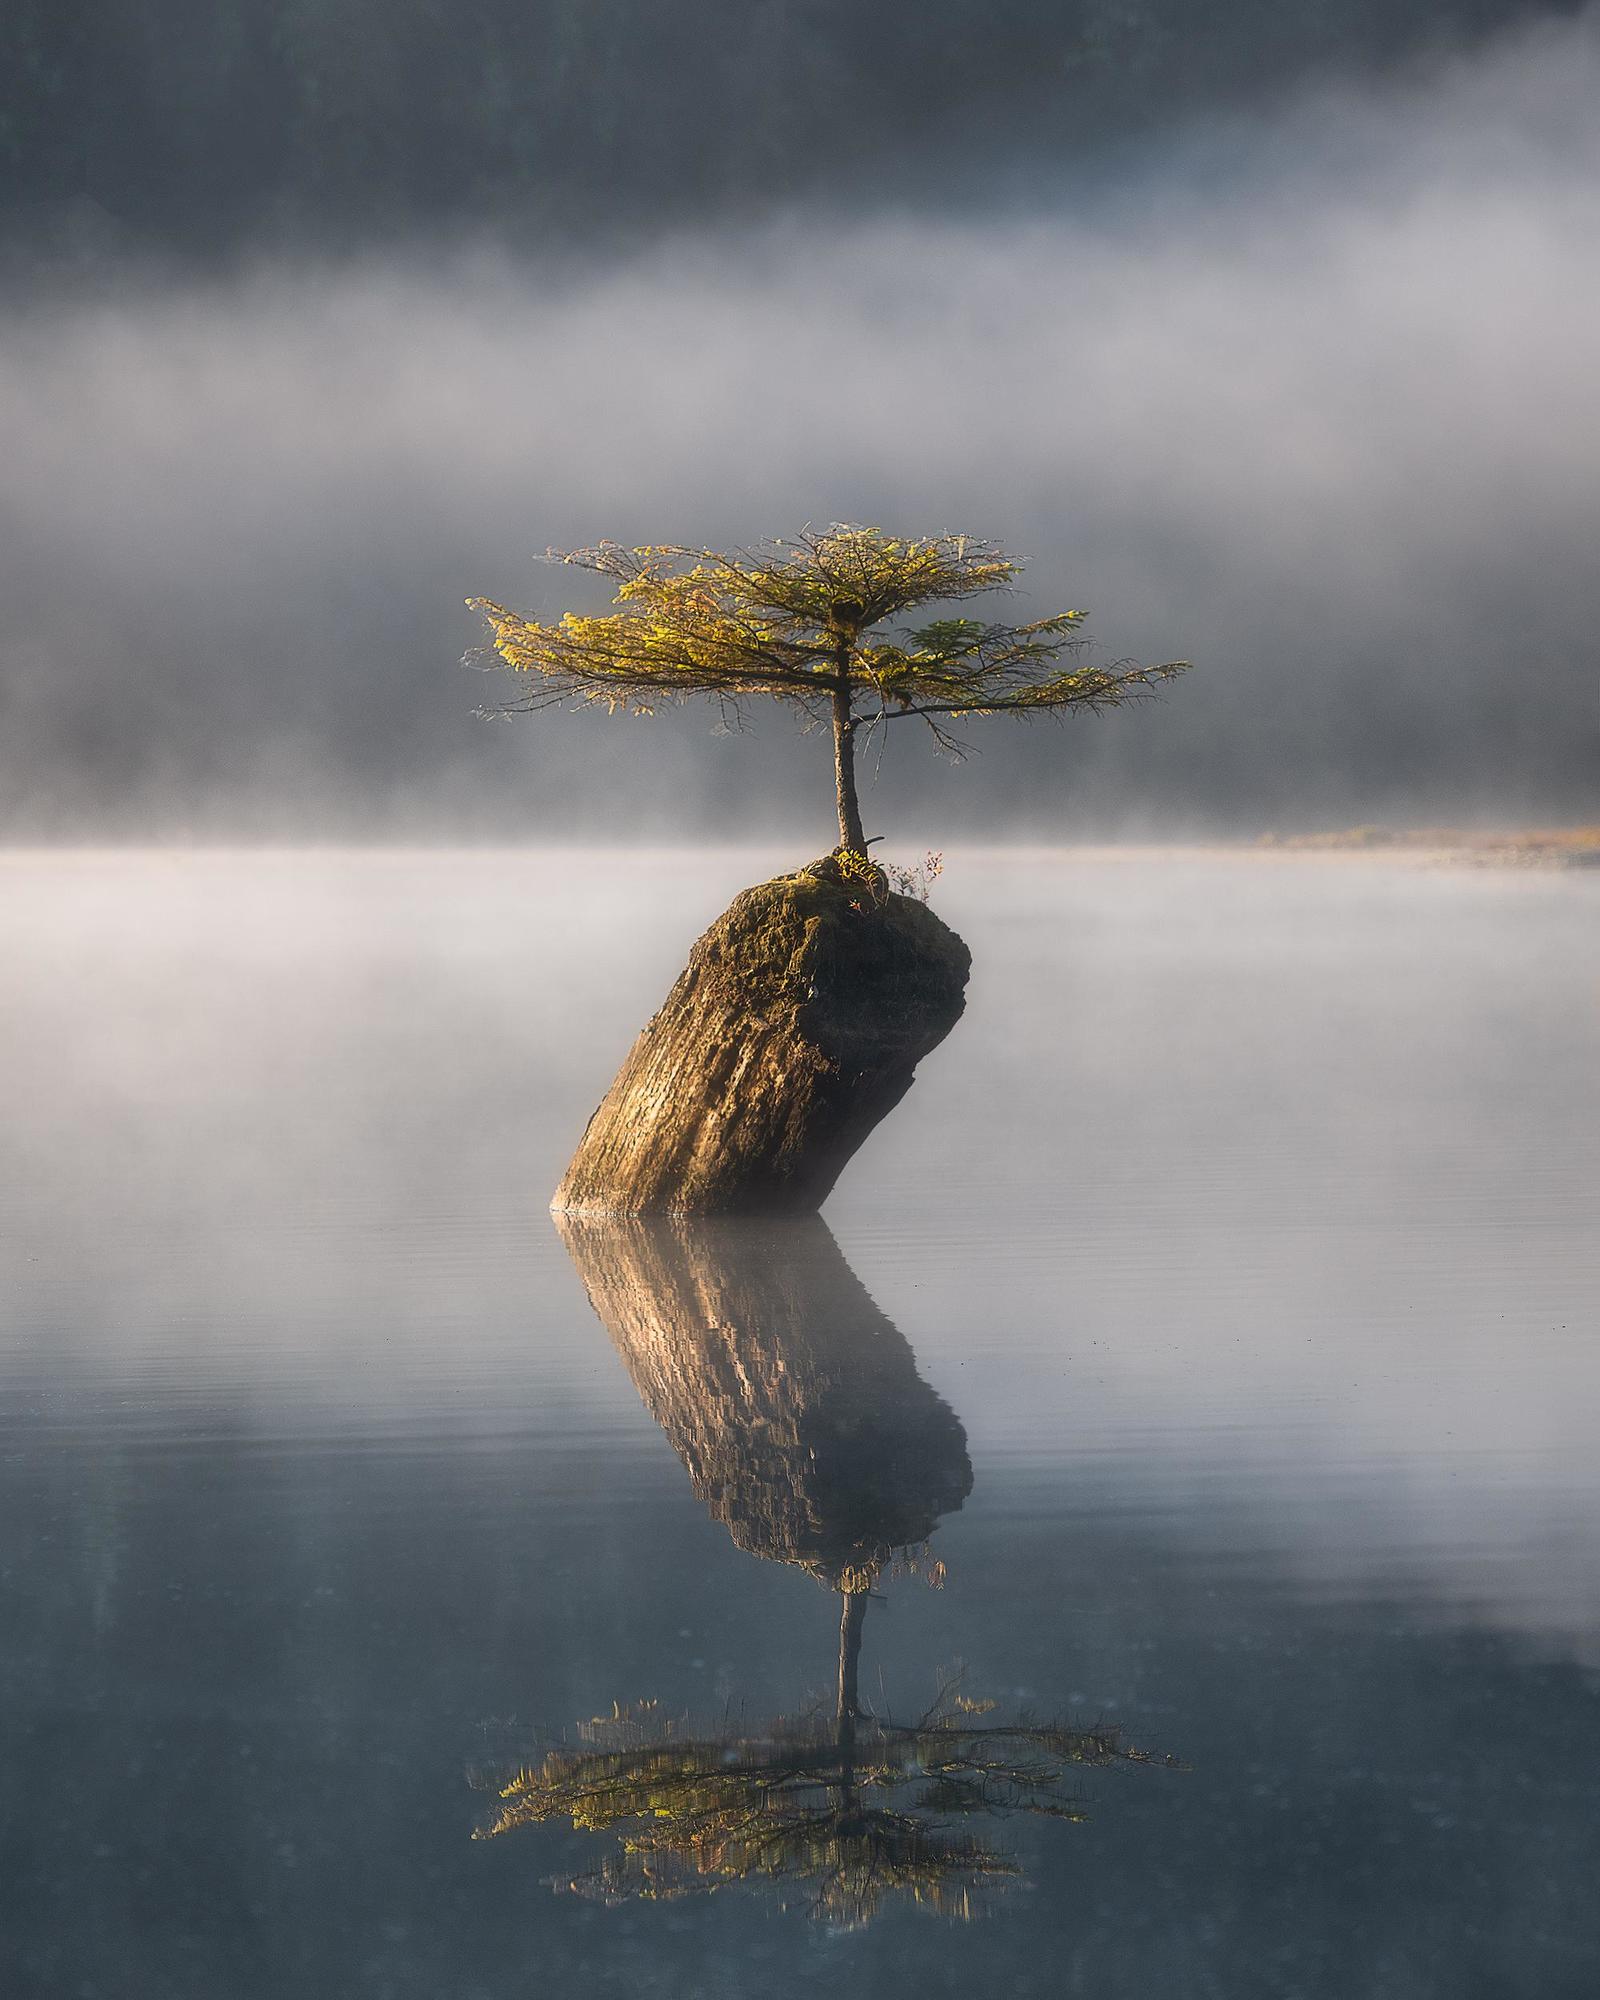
column 1520, row 847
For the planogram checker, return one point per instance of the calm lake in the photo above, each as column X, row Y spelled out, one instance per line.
column 1216, row 1323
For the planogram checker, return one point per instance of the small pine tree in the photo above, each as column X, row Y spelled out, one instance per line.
column 814, row 622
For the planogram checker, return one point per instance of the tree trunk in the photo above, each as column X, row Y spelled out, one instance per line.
column 852, row 1612
column 851, row 835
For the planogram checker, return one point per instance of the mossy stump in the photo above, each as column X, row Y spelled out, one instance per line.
column 796, row 1026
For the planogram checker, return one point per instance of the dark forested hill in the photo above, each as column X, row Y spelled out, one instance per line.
column 197, row 124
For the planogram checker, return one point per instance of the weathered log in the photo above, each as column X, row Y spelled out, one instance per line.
column 796, row 1026
column 793, row 1402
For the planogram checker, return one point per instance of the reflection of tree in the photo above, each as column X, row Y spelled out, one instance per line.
column 807, row 1431
column 841, row 1814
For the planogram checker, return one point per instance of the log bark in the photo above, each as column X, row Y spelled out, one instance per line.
column 796, row 1026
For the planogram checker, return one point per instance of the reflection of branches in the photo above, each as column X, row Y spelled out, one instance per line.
column 840, row 1813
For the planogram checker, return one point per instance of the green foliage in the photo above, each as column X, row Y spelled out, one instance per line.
column 915, row 880
column 810, row 622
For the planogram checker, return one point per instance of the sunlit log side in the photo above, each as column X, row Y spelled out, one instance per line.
column 796, row 1026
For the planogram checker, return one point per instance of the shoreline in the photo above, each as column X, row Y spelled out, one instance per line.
column 1570, row 848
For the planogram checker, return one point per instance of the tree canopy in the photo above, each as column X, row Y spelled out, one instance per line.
column 819, row 623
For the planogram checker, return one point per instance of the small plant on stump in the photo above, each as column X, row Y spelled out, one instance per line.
column 818, row 623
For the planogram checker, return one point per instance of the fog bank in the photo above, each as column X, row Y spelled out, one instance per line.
column 1310, row 401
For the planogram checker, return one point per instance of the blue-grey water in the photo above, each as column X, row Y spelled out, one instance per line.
column 1229, row 1281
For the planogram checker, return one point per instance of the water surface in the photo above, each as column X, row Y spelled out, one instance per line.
column 1205, row 1351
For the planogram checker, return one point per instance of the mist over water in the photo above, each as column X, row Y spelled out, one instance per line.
column 281, row 1126
column 1307, row 398
column 1244, row 1228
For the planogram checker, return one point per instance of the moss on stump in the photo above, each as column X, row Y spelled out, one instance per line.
column 796, row 1026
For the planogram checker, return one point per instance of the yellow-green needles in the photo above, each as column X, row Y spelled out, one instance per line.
column 817, row 622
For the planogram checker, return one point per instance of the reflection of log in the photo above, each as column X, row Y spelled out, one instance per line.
column 794, row 1029
column 795, row 1405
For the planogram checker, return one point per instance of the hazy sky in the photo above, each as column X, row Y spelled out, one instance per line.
column 1310, row 398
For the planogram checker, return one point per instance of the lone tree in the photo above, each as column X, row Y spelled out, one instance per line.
column 815, row 622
